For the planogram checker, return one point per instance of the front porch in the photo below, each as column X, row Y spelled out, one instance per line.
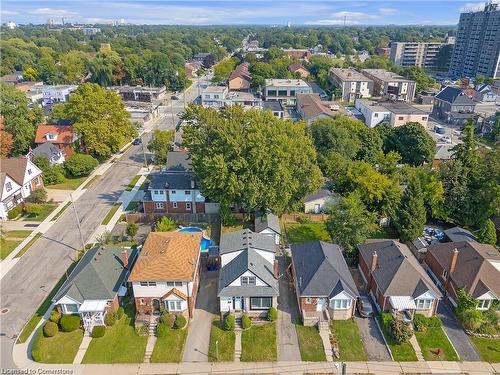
column 311, row 318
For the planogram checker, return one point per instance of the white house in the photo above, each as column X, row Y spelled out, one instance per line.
column 248, row 279
column 52, row 94
column 317, row 201
column 10, row 194
column 373, row 113
column 268, row 223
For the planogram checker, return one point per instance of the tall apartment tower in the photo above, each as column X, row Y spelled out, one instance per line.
column 421, row 54
column 477, row 45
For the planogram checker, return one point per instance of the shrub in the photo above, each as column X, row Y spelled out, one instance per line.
column 229, row 322
column 32, row 208
column 141, row 329
column 69, row 323
column 15, row 212
column 272, row 314
column 168, row 319
column 119, row 313
column 51, row 174
column 401, row 331
column 165, row 224
column 471, row 319
column 80, row 165
column 55, row 316
column 161, row 330
column 132, row 229
column 420, row 323
column 49, row 329
column 38, row 195
column 180, row 322
column 99, row 331
column 109, row 320
column 246, row 322
column 434, row 322
column 304, row 219
column 386, row 319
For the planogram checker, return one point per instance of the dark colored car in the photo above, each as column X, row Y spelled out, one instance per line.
column 137, row 141
column 174, row 97
column 364, row 306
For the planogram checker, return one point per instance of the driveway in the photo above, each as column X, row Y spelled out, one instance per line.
column 455, row 332
column 373, row 340
column 288, row 311
column 198, row 338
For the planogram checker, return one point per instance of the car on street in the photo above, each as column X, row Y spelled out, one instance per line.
column 174, row 97
column 137, row 141
column 364, row 306
column 445, row 139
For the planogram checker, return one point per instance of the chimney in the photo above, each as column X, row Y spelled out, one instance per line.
column 276, row 270
column 125, row 258
column 374, row 262
column 453, row 263
column 192, row 184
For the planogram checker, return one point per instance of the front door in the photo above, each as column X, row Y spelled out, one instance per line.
column 156, row 306
column 320, row 306
column 237, row 303
column 316, row 208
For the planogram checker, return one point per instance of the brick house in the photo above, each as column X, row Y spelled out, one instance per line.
column 62, row 136
column 324, row 286
column 299, row 68
column 469, row 265
column 395, row 280
column 240, row 78
column 167, row 273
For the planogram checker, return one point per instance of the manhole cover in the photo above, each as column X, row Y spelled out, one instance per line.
column 4, row 311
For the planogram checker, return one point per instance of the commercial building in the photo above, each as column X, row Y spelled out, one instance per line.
column 477, row 45
column 220, row 96
column 394, row 113
column 421, row 54
column 390, row 85
column 285, row 90
column 140, row 93
column 352, row 83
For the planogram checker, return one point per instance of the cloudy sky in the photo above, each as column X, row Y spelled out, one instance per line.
column 298, row 12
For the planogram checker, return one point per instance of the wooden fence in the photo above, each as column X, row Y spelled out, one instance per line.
column 295, row 218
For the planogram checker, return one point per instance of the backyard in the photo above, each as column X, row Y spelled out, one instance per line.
column 61, row 348
column 489, row 349
column 10, row 240
column 169, row 348
column 310, row 344
column 351, row 347
column 401, row 352
column 432, row 340
column 225, row 343
column 120, row 344
column 297, row 233
column 258, row 344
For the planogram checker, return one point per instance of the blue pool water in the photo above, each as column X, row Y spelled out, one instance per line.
column 205, row 242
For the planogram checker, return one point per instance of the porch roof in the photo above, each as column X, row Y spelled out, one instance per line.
column 402, row 303
column 92, row 306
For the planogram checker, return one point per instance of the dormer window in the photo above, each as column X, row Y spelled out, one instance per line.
column 51, row 136
column 247, row 280
column 8, row 186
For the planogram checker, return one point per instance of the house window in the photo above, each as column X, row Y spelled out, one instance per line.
column 159, row 205
column 261, row 303
column 170, row 283
column 174, row 204
column 401, row 118
column 38, row 181
column 156, row 192
column 148, row 283
column 177, row 283
column 341, row 304
column 141, row 301
column 445, row 274
column 483, row 304
column 70, row 308
column 8, row 186
column 282, row 93
column 173, row 192
column 188, row 206
column 375, row 115
column 152, row 283
column 187, row 192
column 308, row 300
column 162, row 192
column 29, row 171
column 247, row 280
column 423, row 304
column 174, row 305
column 424, row 118
column 144, row 283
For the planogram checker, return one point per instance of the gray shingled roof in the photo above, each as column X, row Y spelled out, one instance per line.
column 320, row 270
column 97, row 276
column 398, row 272
column 457, row 234
column 245, row 239
column 172, row 180
column 454, row 95
column 48, row 150
column 179, row 161
column 264, row 220
column 318, row 194
column 248, row 260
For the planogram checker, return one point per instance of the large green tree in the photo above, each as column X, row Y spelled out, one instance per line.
column 73, row 66
column 487, row 233
column 160, row 144
column 251, row 158
column 412, row 142
column 410, row 215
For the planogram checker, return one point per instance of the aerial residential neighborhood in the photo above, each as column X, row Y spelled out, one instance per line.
column 250, row 187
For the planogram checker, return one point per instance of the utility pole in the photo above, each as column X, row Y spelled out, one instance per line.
column 77, row 224
column 172, row 112
column 144, row 153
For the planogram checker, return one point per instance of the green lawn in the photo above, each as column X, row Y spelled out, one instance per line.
column 7, row 246
column 132, row 183
column 17, row 234
column 297, row 233
column 61, row 348
column 120, row 344
column 46, row 210
column 310, row 344
column 225, row 341
column 68, row 184
column 488, row 348
column 258, row 344
column 111, row 213
column 132, row 206
column 170, row 348
column 384, row 233
column 28, row 245
column 401, row 352
column 433, row 339
column 351, row 346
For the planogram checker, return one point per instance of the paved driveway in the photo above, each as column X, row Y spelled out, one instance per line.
column 288, row 311
column 373, row 340
column 198, row 338
column 455, row 332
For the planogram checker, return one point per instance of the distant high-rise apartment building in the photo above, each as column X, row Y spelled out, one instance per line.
column 421, row 54
column 477, row 45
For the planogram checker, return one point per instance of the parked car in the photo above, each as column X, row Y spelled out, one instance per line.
column 439, row 129
column 174, row 97
column 364, row 306
column 137, row 141
column 445, row 139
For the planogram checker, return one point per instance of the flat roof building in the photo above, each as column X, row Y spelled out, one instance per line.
column 352, row 83
column 393, row 113
column 390, row 85
column 285, row 90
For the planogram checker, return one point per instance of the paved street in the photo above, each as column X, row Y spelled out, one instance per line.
column 27, row 284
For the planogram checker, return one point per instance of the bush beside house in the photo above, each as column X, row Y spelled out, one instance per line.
column 70, row 323
column 180, row 322
column 98, row 331
column 272, row 314
column 246, row 323
column 229, row 322
column 50, row 329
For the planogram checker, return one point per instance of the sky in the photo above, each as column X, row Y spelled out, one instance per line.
column 234, row 12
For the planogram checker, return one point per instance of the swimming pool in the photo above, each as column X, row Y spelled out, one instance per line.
column 205, row 242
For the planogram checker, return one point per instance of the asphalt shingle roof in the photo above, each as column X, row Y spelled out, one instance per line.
column 457, row 234
column 264, row 220
column 454, row 95
column 321, row 270
column 245, row 239
column 178, row 161
column 172, row 180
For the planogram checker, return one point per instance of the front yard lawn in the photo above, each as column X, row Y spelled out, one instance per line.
column 489, row 349
column 225, row 341
column 46, row 210
column 170, row 348
column 297, row 233
column 68, row 184
column 401, row 352
column 61, row 348
column 310, row 344
column 432, row 340
column 7, row 246
column 120, row 344
column 351, row 346
column 258, row 344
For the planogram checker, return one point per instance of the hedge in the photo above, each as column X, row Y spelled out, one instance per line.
column 229, row 322
column 15, row 212
column 168, row 319
column 246, row 322
column 69, row 323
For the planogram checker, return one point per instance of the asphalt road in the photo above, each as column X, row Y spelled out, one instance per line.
column 28, row 283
